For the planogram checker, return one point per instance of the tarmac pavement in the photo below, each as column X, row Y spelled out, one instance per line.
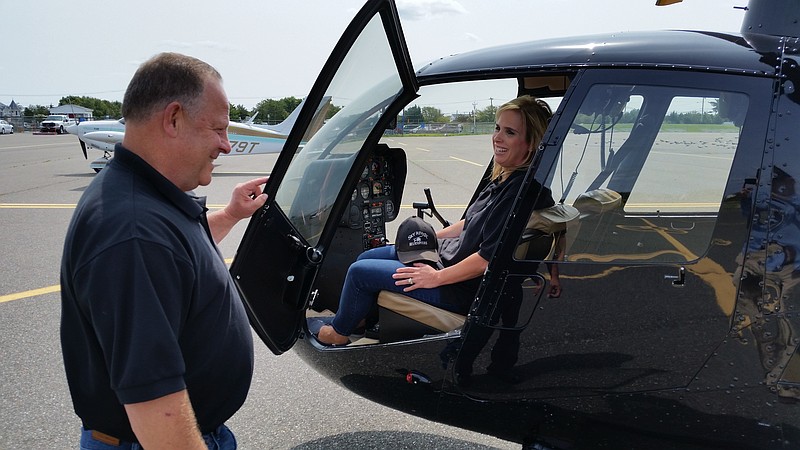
column 290, row 406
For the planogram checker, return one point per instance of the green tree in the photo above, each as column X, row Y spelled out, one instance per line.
column 413, row 115
column 238, row 113
column 100, row 108
column 431, row 114
column 332, row 110
column 36, row 110
column 462, row 118
column 275, row 111
column 486, row 114
column 629, row 116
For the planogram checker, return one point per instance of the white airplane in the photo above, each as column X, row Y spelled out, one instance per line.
column 245, row 138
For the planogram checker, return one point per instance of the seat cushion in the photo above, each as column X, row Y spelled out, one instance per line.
column 422, row 312
column 597, row 201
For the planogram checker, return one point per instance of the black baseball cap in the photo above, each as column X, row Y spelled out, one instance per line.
column 416, row 242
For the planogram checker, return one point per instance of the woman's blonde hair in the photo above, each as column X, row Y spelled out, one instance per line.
column 536, row 113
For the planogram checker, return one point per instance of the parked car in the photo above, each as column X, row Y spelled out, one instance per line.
column 451, row 128
column 56, row 123
column 412, row 128
column 6, row 127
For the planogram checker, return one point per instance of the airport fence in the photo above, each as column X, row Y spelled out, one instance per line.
column 24, row 124
column 448, row 128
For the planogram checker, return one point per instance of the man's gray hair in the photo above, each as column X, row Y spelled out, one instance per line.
column 166, row 78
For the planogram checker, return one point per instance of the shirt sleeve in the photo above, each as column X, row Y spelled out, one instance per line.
column 135, row 293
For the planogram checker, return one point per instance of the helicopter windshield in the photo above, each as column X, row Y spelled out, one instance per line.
column 365, row 83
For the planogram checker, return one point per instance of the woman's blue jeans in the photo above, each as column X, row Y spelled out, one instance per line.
column 367, row 276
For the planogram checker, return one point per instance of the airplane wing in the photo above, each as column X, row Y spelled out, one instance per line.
column 245, row 138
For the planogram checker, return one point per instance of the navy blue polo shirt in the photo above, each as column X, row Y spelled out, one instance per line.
column 148, row 305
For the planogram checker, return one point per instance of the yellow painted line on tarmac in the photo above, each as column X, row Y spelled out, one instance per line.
column 47, row 290
column 31, row 146
column 37, row 206
column 29, row 294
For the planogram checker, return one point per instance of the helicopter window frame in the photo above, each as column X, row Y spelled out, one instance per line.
column 683, row 84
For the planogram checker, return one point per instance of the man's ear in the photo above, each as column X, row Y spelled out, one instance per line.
column 172, row 115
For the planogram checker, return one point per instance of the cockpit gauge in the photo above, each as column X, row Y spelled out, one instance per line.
column 389, row 209
column 363, row 189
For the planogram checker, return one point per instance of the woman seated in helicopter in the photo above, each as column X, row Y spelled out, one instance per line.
column 449, row 278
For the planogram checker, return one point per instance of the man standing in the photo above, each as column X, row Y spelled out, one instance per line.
column 157, row 348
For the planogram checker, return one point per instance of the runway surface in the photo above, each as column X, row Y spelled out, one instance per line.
column 290, row 406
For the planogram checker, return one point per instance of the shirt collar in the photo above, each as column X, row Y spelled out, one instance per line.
column 191, row 205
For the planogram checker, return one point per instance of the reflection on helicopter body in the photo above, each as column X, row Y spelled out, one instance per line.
column 770, row 271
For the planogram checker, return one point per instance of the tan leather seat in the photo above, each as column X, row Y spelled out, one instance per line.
column 422, row 312
column 597, row 201
column 403, row 318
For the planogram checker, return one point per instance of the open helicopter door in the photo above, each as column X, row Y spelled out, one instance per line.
column 350, row 105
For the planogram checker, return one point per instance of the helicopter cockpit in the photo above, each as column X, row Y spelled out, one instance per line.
column 608, row 167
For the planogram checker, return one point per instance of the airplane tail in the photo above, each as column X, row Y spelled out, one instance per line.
column 251, row 119
column 286, row 126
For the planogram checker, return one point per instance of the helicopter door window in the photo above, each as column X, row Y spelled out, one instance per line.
column 366, row 82
column 646, row 168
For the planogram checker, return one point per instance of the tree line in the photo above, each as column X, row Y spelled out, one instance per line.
column 710, row 116
column 271, row 111
column 430, row 114
column 266, row 111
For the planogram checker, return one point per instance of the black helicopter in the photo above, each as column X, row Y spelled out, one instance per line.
column 679, row 324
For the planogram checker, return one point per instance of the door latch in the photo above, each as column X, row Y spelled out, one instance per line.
column 677, row 280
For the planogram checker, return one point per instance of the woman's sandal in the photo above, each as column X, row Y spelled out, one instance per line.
column 328, row 332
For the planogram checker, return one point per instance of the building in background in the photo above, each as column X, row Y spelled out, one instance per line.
column 79, row 113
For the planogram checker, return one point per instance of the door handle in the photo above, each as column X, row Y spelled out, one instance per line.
column 677, row 280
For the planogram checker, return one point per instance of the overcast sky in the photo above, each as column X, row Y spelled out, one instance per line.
column 274, row 49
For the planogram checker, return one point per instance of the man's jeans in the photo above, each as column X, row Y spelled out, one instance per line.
column 220, row 439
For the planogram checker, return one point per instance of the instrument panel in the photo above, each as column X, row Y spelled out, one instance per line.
column 375, row 198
